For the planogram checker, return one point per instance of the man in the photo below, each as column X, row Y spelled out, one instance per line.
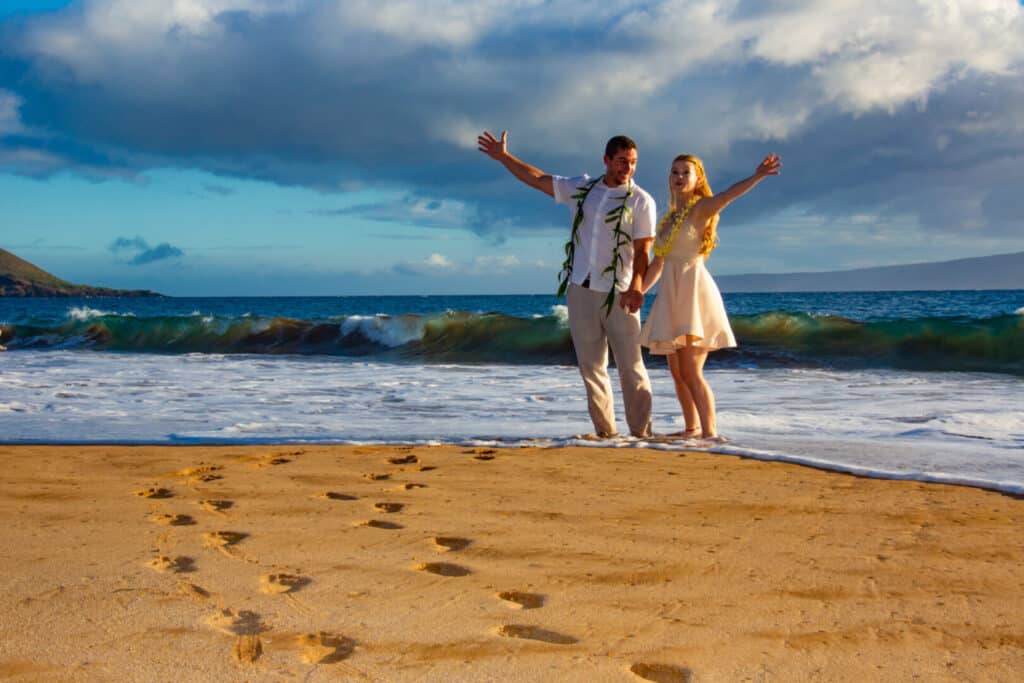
column 613, row 228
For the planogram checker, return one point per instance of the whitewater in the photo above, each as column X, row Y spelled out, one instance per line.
column 964, row 428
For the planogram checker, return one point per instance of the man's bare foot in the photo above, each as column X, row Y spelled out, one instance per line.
column 600, row 436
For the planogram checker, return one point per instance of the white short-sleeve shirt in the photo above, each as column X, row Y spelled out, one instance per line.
column 596, row 244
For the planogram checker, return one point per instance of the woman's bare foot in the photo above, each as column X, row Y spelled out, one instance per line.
column 714, row 439
column 687, row 434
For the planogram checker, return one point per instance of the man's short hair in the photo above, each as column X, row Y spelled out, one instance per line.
column 617, row 143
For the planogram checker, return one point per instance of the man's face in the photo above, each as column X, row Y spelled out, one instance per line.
column 621, row 167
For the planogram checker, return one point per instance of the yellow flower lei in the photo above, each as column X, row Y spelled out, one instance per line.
column 663, row 247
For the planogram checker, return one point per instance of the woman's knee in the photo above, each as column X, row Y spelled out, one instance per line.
column 691, row 373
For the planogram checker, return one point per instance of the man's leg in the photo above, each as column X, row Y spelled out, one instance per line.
column 586, row 324
column 624, row 338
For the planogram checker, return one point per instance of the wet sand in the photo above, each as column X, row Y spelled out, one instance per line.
column 467, row 564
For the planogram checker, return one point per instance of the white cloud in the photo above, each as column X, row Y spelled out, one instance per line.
column 496, row 263
column 876, row 54
column 439, row 261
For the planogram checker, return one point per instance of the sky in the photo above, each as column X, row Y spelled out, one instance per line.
column 328, row 147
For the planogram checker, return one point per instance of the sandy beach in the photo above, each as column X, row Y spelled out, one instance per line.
column 347, row 563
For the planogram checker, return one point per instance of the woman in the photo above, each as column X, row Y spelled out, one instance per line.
column 688, row 318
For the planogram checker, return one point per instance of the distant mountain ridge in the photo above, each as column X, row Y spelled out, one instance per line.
column 1001, row 271
column 20, row 278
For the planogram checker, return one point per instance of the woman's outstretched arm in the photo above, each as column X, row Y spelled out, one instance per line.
column 711, row 206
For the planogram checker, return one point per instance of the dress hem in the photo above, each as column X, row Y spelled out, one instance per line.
column 667, row 348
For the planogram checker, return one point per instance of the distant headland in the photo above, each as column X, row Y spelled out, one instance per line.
column 1002, row 271
column 19, row 278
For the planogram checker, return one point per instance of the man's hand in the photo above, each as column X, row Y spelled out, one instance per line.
column 631, row 300
column 498, row 150
column 492, row 146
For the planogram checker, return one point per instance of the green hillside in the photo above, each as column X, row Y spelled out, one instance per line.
column 20, row 269
column 20, row 278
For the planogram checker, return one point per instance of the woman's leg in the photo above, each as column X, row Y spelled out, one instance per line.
column 689, row 408
column 691, row 365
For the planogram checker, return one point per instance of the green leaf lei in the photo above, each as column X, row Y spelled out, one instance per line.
column 621, row 237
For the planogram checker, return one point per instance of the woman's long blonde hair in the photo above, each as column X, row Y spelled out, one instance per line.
column 702, row 190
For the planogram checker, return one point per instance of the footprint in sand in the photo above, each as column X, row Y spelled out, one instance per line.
column 172, row 520
column 190, row 590
column 241, row 623
column 224, row 538
column 447, row 543
column 661, row 673
column 281, row 583
column 176, row 565
column 153, row 492
column 247, row 649
column 522, row 600
column 378, row 524
column 535, row 633
column 332, row 495
column 271, row 462
column 404, row 460
column 224, row 541
column 442, row 569
column 325, row 648
column 198, row 470
column 483, row 453
column 215, row 505
column 410, row 487
column 376, row 477
column 388, row 507
column 204, row 478
column 427, row 468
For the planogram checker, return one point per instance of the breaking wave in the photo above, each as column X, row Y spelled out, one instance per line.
column 771, row 339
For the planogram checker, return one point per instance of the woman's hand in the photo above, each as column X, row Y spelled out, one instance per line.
column 770, row 166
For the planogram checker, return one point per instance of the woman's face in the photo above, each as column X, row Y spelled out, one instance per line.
column 683, row 177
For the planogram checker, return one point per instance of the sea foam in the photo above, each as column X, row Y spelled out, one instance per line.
column 87, row 313
column 948, row 427
column 389, row 331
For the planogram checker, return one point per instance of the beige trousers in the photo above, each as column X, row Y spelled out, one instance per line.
column 592, row 334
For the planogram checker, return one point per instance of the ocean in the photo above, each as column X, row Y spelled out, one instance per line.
column 912, row 385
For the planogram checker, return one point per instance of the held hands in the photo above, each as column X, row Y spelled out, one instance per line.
column 631, row 300
column 770, row 166
column 492, row 146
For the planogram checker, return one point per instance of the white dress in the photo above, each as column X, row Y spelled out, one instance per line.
column 688, row 302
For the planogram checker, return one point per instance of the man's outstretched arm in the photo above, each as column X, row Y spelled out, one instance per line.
column 498, row 150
